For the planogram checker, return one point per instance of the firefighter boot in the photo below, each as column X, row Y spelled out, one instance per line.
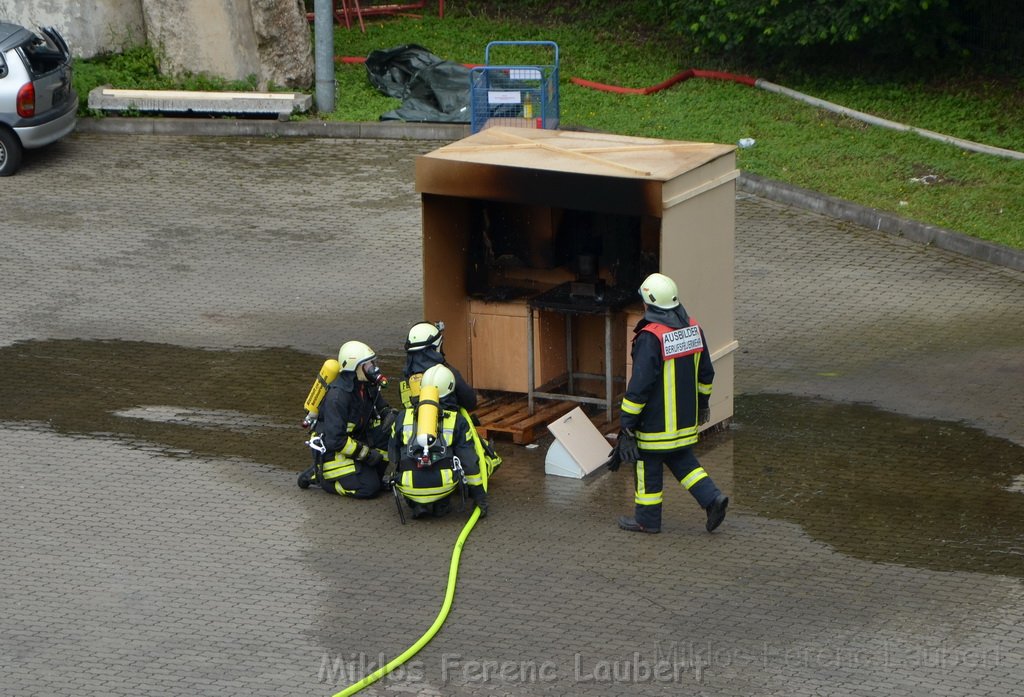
column 630, row 524
column 307, row 477
column 442, row 508
column 480, row 499
column 716, row 511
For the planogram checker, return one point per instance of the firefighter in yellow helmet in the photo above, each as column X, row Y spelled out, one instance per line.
column 666, row 402
column 423, row 351
column 429, row 445
column 352, row 427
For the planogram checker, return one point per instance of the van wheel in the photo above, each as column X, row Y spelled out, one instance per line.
column 10, row 153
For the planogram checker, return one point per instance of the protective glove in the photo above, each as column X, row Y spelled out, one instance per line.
column 613, row 461
column 388, row 419
column 626, row 450
column 627, row 447
column 374, row 458
column 366, row 455
column 703, row 415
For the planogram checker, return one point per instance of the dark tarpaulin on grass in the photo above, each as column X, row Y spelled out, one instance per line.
column 431, row 89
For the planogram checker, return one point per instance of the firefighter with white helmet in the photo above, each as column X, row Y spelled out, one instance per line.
column 666, row 401
column 352, row 427
column 423, row 351
column 433, row 444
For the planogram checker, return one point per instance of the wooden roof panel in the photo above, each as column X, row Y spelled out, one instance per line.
column 579, row 152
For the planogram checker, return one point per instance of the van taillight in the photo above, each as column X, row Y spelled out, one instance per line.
column 27, row 100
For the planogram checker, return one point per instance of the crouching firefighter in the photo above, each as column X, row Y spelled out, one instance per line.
column 350, row 428
column 435, row 449
column 422, row 351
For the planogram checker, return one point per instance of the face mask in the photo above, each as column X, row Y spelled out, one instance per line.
column 373, row 374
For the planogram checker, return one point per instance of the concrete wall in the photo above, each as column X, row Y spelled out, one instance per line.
column 232, row 39
column 91, row 27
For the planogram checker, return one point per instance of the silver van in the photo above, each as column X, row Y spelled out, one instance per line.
column 37, row 101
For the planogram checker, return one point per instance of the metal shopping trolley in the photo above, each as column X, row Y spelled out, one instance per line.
column 522, row 95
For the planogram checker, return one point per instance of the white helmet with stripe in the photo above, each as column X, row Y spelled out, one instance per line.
column 660, row 291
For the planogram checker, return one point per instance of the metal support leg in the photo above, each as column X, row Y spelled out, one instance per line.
column 358, row 11
column 529, row 360
column 608, row 364
column 568, row 353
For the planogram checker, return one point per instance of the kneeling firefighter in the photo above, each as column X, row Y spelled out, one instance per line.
column 423, row 351
column 350, row 427
column 434, row 445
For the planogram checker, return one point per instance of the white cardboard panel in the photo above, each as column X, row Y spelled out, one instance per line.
column 579, row 448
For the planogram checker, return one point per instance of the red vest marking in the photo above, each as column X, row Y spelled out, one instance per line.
column 676, row 343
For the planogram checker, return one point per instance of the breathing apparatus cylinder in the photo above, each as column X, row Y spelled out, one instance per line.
column 328, row 374
column 410, row 390
column 427, row 414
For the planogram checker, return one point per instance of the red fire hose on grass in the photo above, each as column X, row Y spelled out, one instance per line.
column 785, row 91
column 813, row 101
column 675, row 79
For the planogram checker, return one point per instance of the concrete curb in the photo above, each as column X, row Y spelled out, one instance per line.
column 884, row 222
column 383, row 130
column 394, row 130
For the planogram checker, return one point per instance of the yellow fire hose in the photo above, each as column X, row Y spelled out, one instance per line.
column 449, row 594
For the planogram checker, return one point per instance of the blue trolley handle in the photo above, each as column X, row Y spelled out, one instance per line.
column 487, row 51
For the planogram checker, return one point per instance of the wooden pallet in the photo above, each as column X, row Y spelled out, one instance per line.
column 506, row 415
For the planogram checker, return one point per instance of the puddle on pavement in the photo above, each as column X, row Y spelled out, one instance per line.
column 881, row 486
column 241, row 403
column 871, row 484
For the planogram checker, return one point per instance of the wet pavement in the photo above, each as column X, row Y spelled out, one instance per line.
column 167, row 301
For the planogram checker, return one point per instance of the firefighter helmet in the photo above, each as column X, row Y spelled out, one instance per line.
column 353, row 354
column 660, row 291
column 357, row 357
column 424, row 334
column 441, row 377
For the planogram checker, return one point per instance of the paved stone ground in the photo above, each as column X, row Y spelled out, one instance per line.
column 217, row 576
column 841, row 312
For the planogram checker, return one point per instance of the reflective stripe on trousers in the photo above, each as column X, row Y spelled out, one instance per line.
column 649, row 482
column 339, row 467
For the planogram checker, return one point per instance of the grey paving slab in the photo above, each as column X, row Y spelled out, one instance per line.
column 251, row 242
column 831, row 309
column 161, row 564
